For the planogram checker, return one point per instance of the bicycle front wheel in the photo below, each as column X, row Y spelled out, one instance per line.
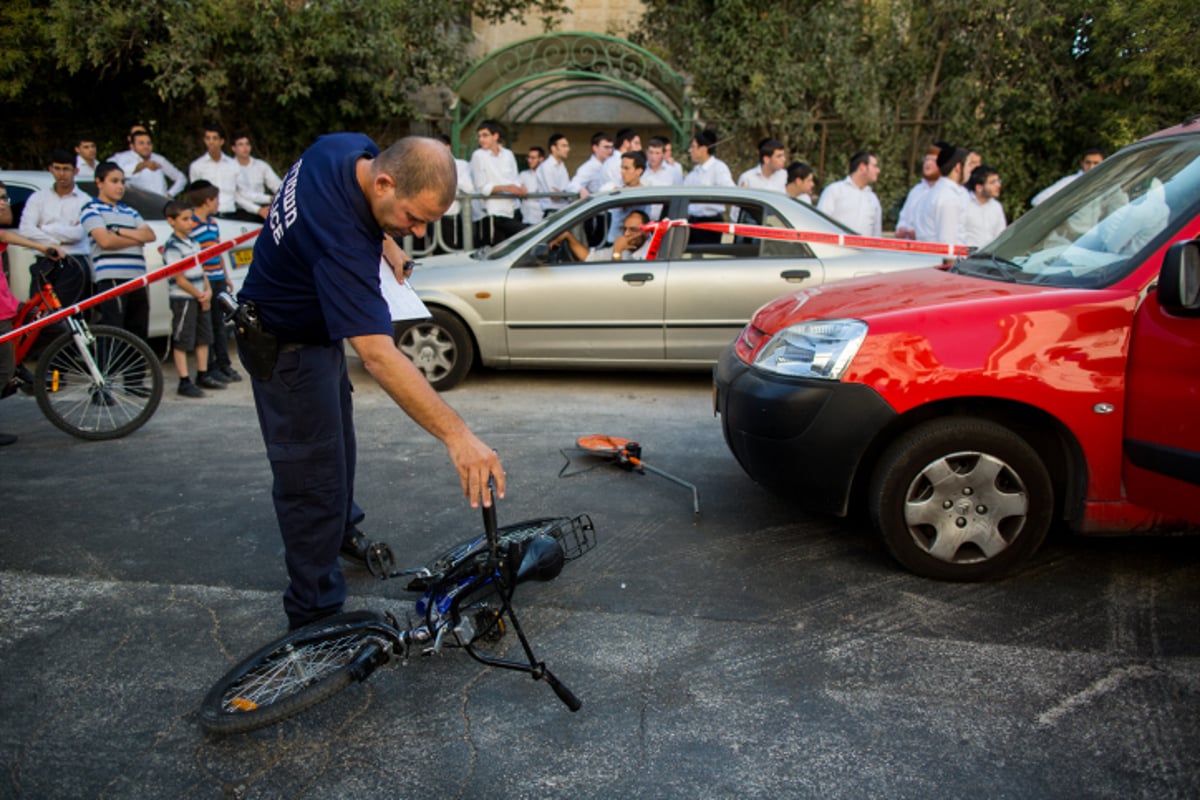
column 129, row 392
column 294, row 673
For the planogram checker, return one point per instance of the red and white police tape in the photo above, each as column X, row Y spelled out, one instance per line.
column 129, row 285
column 657, row 229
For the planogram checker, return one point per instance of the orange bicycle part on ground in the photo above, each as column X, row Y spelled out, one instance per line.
column 627, row 454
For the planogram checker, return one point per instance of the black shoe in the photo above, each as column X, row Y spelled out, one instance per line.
column 229, row 374
column 207, row 381
column 25, row 378
column 189, row 389
column 7, row 439
column 102, row 397
column 354, row 548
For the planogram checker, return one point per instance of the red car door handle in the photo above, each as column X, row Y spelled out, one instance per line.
column 637, row 277
column 795, row 274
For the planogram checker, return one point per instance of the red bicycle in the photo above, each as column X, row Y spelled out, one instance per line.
column 93, row 381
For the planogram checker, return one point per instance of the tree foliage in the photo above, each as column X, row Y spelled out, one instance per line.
column 1028, row 83
column 286, row 70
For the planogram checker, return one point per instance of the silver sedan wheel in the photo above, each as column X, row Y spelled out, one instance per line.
column 440, row 347
column 430, row 349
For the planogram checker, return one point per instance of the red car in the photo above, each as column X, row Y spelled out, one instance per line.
column 1052, row 375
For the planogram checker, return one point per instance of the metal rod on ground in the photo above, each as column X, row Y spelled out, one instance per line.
column 680, row 481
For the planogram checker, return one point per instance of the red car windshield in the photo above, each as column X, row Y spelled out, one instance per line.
column 1094, row 232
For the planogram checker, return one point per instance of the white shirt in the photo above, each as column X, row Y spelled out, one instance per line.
column 531, row 207
column 151, row 180
column 465, row 185
column 612, row 173
column 489, row 170
column 666, row 176
column 713, row 172
column 86, row 171
column 552, row 176
column 257, row 182
column 857, row 209
column 590, row 175
column 940, row 214
column 1054, row 188
column 606, row 253
column 224, row 175
column 53, row 219
column 911, row 203
column 754, row 179
column 983, row 222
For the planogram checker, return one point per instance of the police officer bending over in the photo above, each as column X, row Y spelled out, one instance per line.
column 315, row 282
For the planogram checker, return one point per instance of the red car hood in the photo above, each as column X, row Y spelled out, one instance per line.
column 920, row 292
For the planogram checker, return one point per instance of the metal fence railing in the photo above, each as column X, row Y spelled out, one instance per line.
column 461, row 226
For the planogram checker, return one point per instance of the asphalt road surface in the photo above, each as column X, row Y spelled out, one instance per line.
column 760, row 651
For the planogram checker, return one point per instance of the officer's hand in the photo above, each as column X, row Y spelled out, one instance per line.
column 476, row 464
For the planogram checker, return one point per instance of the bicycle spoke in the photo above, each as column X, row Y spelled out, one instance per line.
column 290, row 672
column 126, row 393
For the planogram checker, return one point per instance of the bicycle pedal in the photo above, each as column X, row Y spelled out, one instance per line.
column 381, row 561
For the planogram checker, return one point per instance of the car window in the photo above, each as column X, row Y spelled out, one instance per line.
column 772, row 248
column 702, row 244
column 17, row 195
column 597, row 230
column 1096, row 231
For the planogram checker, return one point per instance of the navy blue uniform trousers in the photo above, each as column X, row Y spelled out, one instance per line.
column 307, row 422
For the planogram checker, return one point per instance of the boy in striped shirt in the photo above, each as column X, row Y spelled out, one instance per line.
column 117, row 234
column 191, row 297
column 205, row 199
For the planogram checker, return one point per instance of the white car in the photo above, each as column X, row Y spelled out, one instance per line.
column 22, row 183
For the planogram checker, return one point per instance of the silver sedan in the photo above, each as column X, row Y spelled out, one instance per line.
column 533, row 302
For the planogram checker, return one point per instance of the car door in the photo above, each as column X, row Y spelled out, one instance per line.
column 1161, row 465
column 714, row 287
column 578, row 312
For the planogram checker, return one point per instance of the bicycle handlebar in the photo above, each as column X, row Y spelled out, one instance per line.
column 489, row 512
column 566, row 695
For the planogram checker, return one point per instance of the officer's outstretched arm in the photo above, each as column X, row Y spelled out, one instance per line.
column 404, row 383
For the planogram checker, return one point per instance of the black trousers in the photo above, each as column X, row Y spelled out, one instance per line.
column 493, row 230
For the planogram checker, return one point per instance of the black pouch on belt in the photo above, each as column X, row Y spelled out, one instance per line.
column 259, row 347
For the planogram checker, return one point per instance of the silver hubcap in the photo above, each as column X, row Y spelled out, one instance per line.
column 430, row 348
column 966, row 507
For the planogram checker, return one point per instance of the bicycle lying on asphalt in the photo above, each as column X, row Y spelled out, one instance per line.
column 93, row 381
column 466, row 598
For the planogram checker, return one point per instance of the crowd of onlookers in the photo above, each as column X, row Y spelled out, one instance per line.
column 107, row 237
column 955, row 202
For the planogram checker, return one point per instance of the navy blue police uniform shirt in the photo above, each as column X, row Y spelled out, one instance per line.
column 315, row 274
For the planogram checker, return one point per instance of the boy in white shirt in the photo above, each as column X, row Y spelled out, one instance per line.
column 494, row 171
column 984, row 219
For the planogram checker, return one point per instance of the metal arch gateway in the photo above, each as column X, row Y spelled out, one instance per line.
column 518, row 82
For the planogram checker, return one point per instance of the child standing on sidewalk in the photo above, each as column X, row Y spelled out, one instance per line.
column 191, row 299
column 205, row 198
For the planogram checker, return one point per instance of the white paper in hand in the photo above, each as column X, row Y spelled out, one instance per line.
column 401, row 299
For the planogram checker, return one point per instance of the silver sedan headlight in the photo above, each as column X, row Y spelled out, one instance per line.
column 817, row 349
